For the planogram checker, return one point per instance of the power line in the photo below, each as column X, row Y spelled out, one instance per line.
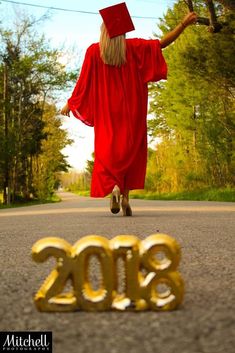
column 68, row 10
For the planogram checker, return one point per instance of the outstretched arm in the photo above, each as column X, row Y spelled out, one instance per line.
column 170, row 37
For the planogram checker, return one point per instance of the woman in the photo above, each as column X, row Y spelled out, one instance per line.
column 111, row 94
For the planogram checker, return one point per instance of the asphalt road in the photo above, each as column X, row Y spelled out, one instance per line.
column 203, row 324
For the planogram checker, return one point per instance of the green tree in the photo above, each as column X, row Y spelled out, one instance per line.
column 47, row 165
column 194, row 110
column 31, row 74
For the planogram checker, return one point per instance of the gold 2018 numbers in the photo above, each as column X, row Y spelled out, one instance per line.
column 151, row 277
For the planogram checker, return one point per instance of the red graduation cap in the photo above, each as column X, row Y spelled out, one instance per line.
column 117, row 19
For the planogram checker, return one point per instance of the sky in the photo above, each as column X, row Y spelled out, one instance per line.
column 78, row 30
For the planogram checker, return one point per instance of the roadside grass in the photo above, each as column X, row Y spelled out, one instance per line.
column 225, row 195
column 23, row 203
column 209, row 194
column 80, row 192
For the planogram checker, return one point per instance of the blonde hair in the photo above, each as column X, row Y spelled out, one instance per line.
column 112, row 50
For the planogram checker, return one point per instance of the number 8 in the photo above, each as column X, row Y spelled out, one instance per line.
column 161, row 272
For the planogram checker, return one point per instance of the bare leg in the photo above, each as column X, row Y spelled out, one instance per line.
column 126, row 194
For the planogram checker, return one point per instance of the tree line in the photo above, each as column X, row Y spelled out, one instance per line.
column 193, row 111
column 31, row 137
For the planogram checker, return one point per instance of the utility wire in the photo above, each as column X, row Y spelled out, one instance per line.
column 68, row 10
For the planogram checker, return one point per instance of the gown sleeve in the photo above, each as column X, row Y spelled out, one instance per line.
column 151, row 62
column 81, row 101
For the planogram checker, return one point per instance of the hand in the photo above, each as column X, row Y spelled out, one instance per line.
column 189, row 19
column 65, row 110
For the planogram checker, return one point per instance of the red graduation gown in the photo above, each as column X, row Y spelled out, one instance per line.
column 114, row 100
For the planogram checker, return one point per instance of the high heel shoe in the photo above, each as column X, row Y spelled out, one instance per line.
column 115, row 200
column 126, row 208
